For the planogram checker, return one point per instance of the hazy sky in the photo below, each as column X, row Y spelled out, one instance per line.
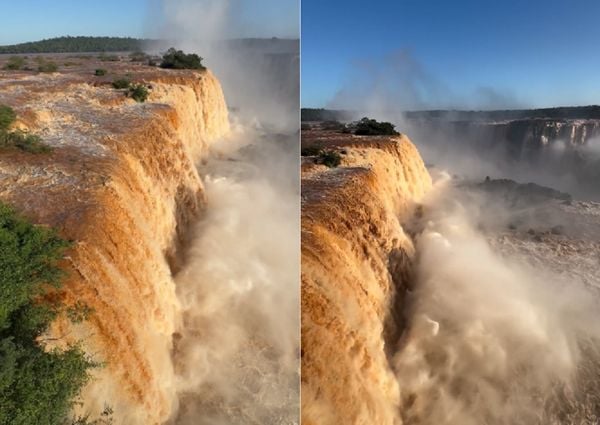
column 460, row 53
column 30, row 20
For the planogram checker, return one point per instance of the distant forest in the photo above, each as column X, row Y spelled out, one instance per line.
column 78, row 44
column 566, row 112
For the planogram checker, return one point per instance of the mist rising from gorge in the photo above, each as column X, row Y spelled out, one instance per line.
column 255, row 56
column 495, row 335
column 236, row 353
column 561, row 153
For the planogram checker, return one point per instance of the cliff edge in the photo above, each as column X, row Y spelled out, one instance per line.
column 356, row 265
column 120, row 182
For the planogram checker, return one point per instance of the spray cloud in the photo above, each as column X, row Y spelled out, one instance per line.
column 236, row 351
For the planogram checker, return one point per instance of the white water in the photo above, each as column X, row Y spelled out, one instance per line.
column 494, row 338
column 236, row 355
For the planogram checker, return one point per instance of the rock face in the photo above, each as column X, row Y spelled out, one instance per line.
column 121, row 183
column 356, row 261
column 521, row 138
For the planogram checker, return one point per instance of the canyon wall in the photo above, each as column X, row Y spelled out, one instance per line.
column 122, row 184
column 521, row 138
column 356, row 262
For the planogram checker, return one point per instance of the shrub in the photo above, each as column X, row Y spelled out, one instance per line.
column 138, row 56
column 331, row 159
column 176, row 59
column 138, row 92
column 48, row 67
column 370, row 127
column 7, row 117
column 313, row 150
column 100, row 72
column 24, row 141
column 37, row 385
column 15, row 63
column 121, row 83
column 333, row 126
column 18, row 139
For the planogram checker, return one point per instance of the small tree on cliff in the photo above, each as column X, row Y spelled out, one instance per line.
column 37, row 385
column 370, row 127
column 176, row 59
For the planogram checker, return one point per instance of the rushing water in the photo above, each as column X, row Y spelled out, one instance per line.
column 504, row 319
column 236, row 353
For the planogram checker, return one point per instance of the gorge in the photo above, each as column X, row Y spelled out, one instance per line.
column 430, row 296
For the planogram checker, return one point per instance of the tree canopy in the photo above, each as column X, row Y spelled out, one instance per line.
column 37, row 385
column 78, row 44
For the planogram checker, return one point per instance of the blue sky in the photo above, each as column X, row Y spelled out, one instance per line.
column 461, row 53
column 30, row 20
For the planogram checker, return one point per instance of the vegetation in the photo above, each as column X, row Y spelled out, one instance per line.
column 23, row 141
column 138, row 56
column 138, row 92
column 37, row 385
column 121, row 83
column 100, row 72
column 77, row 44
column 18, row 139
column 329, row 158
column 314, row 114
column 333, row 126
column 7, row 117
column 47, row 66
column 312, row 150
column 15, row 63
column 176, row 59
column 370, row 127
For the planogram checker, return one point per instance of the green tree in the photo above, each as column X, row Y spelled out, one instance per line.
column 370, row 127
column 176, row 59
column 37, row 386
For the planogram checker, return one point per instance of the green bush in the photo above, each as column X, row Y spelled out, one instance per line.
column 7, row 117
column 18, row 139
column 15, row 63
column 24, row 141
column 37, row 385
column 370, row 127
column 331, row 159
column 121, row 83
column 313, row 150
column 332, row 126
column 138, row 92
column 48, row 67
column 176, row 59
column 100, row 72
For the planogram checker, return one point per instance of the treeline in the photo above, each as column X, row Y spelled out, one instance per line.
column 78, row 44
column 320, row 114
column 562, row 112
